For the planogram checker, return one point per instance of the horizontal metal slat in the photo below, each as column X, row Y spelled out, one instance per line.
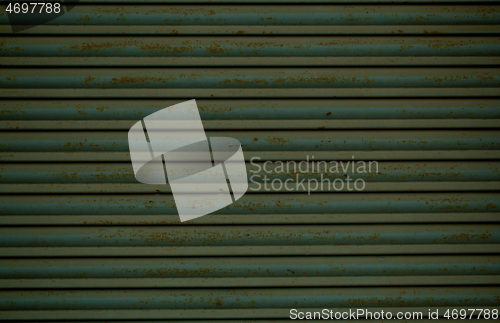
column 275, row 141
column 289, row 14
column 257, row 114
column 258, row 109
column 256, row 218
column 266, row 155
column 263, row 46
column 56, row 283
column 196, row 237
column 246, row 298
column 316, row 203
column 254, row 188
column 316, row 93
column 375, row 172
column 255, row 30
column 257, row 78
column 384, row 176
column 154, row 272
column 240, row 267
column 265, row 124
column 248, row 61
column 224, row 251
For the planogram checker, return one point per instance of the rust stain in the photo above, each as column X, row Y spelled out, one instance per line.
column 279, row 141
column 136, row 79
column 467, row 237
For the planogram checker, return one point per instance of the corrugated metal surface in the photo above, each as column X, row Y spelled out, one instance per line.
column 412, row 84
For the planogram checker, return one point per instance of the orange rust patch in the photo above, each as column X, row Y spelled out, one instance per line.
column 467, row 236
column 279, row 141
column 137, row 79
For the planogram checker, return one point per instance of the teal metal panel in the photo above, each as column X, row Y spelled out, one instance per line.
column 261, row 110
column 251, row 46
column 413, row 85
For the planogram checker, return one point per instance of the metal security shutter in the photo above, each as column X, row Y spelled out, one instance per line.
column 411, row 84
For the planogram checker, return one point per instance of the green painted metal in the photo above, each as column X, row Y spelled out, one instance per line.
column 413, row 85
column 250, row 78
column 261, row 110
column 247, row 267
column 271, row 140
column 256, row 203
column 270, row 15
column 212, row 236
column 227, row 298
column 386, row 172
column 251, row 46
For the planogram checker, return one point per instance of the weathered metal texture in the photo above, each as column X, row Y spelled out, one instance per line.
column 302, row 15
column 257, row 218
column 275, row 82
column 257, row 61
column 249, row 50
column 258, row 114
column 261, row 110
column 256, row 203
column 168, row 303
column 267, row 155
column 289, row 141
column 256, row 30
column 333, row 17
column 81, row 268
column 382, row 172
column 412, row 84
column 251, row 46
column 265, row 124
column 256, row 298
column 248, row 272
column 253, row 78
column 234, row 236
